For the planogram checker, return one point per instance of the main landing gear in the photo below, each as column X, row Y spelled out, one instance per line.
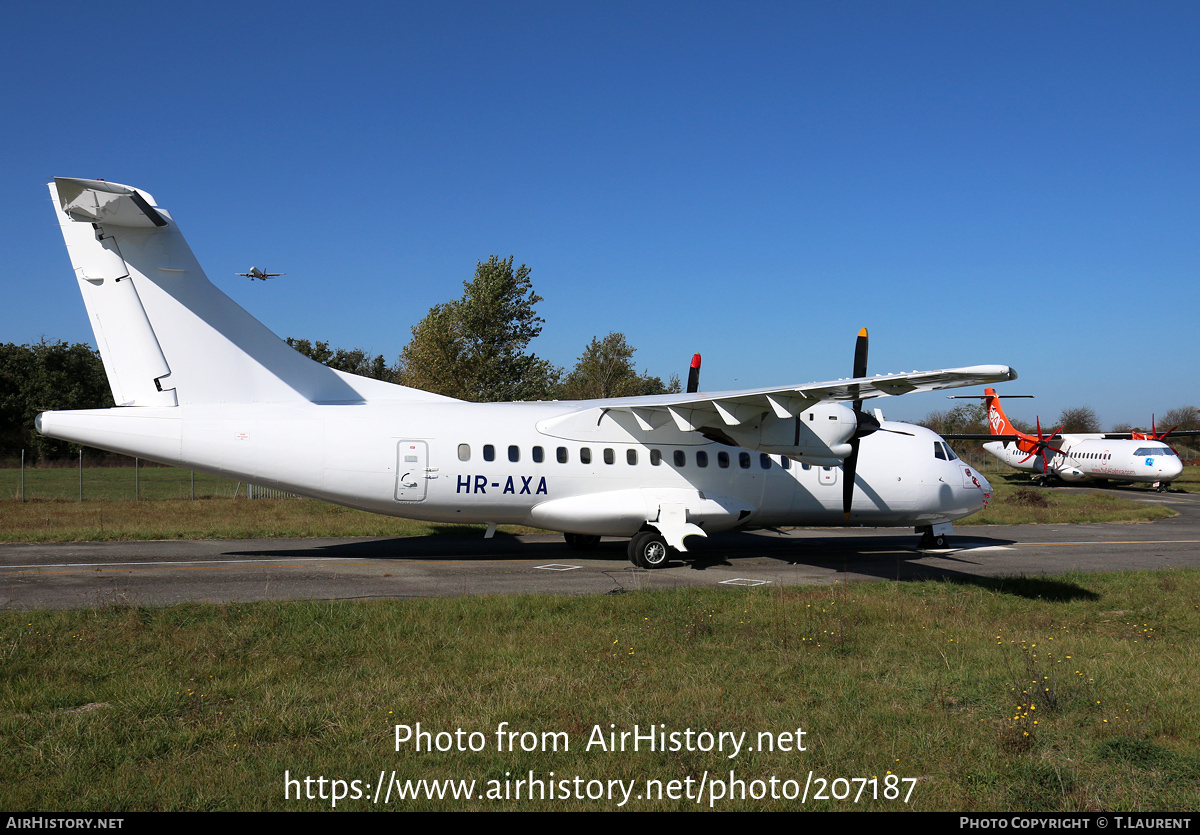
column 648, row 549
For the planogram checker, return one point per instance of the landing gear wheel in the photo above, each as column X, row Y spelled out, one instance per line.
column 581, row 541
column 928, row 541
column 648, row 549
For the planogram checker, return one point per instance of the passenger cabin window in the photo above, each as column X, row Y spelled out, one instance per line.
column 563, row 456
column 539, row 454
column 489, row 452
column 680, row 458
column 701, row 458
column 655, row 457
column 464, row 452
column 585, row 455
column 514, row 453
column 764, row 461
column 744, row 460
column 723, row 460
column 631, row 457
column 610, row 457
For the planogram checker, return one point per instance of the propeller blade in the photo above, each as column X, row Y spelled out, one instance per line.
column 849, row 467
column 860, row 360
column 1154, row 430
column 693, row 383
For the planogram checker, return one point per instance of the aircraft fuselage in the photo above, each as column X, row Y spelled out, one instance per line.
column 520, row 463
column 1094, row 458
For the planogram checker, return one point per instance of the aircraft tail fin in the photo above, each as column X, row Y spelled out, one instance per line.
column 166, row 334
column 998, row 423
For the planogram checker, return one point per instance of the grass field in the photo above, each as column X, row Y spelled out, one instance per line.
column 1064, row 694
column 1049, row 694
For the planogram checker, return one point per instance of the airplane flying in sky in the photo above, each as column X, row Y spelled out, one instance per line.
column 200, row 383
column 1113, row 456
column 255, row 272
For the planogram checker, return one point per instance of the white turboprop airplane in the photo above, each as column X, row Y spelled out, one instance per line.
column 1114, row 456
column 200, row 383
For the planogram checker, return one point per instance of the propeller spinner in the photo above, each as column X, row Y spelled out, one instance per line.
column 1041, row 445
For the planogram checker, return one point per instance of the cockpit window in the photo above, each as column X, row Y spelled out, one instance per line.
column 942, row 450
column 1154, row 450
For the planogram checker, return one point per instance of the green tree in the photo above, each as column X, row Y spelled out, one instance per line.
column 1184, row 417
column 1078, row 419
column 963, row 419
column 475, row 348
column 45, row 377
column 354, row 361
column 605, row 369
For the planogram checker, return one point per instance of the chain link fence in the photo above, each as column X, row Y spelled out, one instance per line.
column 81, row 477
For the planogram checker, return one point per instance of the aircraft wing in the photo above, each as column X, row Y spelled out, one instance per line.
column 1128, row 436
column 691, row 411
column 960, row 436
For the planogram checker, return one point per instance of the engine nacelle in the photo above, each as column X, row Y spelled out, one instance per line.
column 819, row 435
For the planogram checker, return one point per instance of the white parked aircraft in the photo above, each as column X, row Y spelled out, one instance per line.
column 1115, row 456
column 200, row 383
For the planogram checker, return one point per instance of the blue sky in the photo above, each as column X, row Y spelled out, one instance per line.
column 977, row 182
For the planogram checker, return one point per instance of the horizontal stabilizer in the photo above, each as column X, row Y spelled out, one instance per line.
column 109, row 203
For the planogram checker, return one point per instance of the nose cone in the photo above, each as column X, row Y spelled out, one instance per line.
column 1171, row 467
column 984, row 485
column 983, row 492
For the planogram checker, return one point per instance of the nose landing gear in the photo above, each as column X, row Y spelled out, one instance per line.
column 934, row 537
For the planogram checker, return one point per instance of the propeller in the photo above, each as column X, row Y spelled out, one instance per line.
column 850, row 465
column 867, row 424
column 1041, row 445
column 1154, row 436
column 693, row 383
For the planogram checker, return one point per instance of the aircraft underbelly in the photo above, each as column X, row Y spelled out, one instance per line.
column 624, row 512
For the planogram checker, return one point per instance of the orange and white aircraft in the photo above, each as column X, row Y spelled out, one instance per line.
column 1114, row 456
